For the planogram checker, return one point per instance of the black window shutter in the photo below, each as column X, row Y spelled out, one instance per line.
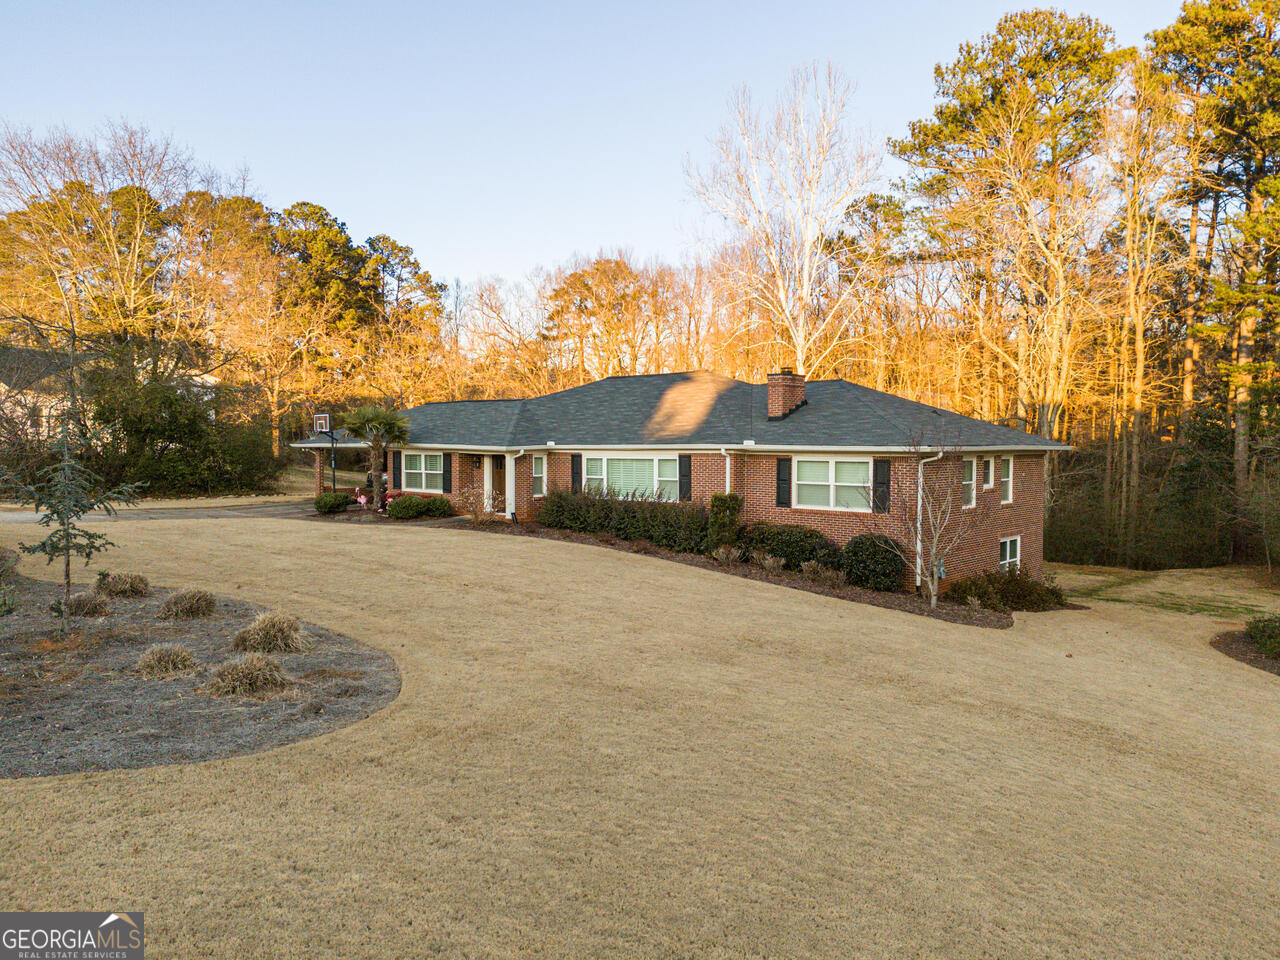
column 882, row 470
column 686, row 477
column 446, row 482
column 575, row 472
column 394, row 481
column 784, row 481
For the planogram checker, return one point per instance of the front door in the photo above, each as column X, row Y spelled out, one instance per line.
column 499, row 485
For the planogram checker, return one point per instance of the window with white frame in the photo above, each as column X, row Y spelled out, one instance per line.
column 539, row 475
column 988, row 472
column 626, row 476
column 1010, row 554
column 832, row 484
column 969, row 481
column 423, row 472
column 1006, row 479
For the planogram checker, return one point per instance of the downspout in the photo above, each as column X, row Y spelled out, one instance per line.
column 727, row 472
column 920, row 511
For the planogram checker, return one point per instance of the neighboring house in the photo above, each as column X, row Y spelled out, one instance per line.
column 831, row 455
column 34, row 386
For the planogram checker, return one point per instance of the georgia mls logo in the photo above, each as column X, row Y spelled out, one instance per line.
column 79, row 935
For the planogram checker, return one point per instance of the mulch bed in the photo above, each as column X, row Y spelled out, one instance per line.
column 79, row 704
column 904, row 602
column 1238, row 647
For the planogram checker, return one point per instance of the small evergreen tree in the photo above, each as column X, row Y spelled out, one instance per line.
column 63, row 493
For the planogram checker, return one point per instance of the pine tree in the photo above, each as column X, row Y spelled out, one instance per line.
column 64, row 493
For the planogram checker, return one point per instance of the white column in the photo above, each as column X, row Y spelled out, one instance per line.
column 510, row 492
column 488, row 482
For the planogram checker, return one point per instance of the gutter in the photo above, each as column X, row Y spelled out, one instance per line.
column 920, row 511
column 727, row 475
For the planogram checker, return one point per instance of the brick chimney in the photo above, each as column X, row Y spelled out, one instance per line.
column 786, row 393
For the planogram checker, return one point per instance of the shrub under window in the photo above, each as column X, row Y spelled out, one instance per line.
column 412, row 508
column 793, row 543
column 674, row 526
column 872, row 561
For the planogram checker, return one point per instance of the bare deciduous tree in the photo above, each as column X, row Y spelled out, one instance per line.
column 782, row 183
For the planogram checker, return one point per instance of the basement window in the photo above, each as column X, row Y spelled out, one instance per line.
column 1010, row 554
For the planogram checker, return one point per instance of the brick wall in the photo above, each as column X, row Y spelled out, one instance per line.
column 989, row 521
column 754, row 477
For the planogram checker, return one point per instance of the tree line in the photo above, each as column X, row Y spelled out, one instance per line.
column 1083, row 245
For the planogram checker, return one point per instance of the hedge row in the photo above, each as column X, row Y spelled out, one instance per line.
column 870, row 562
column 681, row 527
column 410, row 507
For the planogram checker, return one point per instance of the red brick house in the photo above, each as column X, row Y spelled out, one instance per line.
column 828, row 454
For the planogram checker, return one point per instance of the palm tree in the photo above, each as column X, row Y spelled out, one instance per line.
column 379, row 426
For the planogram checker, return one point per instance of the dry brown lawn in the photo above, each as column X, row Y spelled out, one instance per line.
column 598, row 754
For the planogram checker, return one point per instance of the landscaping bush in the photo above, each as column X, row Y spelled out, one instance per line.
column 722, row 520
column 165, row 661
column 726, row 554
column 188, row 605
column 827, row 576
column 767, row 561
column 333, row 502
column 86, row 604
column 793, row 543
column 1264, row 633
column 271, row 632
column 122, row 584
column 872, row 562
column 1010, row 590
column 674, row 526
column 411, row 507
column 253, row 675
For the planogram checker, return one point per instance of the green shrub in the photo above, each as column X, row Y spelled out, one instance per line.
column 1009, row 590
column 122, row 584
column 8, row 562
column 166, row 660
column 722, row 520
column 253, row 675
column 674, row 526
column 1264, row 633
column 791, row 542
column 272, row 632
column 872, row 561
column 332, row 502
column 409, row 507
column 8, row 600
column 188, row 605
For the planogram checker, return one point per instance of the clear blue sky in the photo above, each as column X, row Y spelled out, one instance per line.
column 490, row 137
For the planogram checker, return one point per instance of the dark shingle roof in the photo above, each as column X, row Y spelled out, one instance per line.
column 22, row 368
column 700, row 409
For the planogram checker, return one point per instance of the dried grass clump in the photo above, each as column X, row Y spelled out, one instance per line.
column 272, row 632
column 188, row 605
column 767, row 561
column 122, row 585
column 253, row 675
column 822, row 574
column 166, row 660
column 88, row 604
column 726, row 554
